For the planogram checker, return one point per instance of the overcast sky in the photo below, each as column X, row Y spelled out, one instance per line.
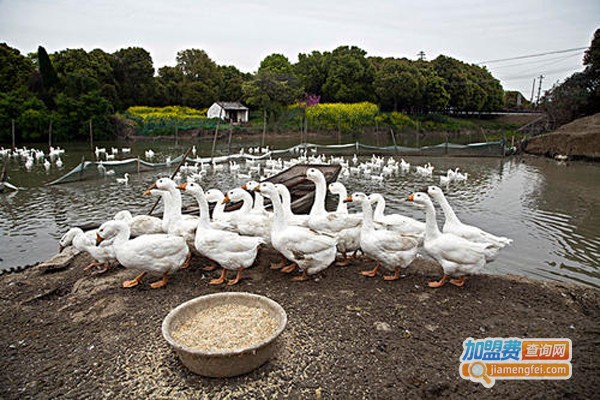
column 243, row 32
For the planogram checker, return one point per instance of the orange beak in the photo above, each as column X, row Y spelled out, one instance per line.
column 348, row 199
column 244, row 186
column 226, row 199
column 99, row 239
column 411, row 197
column 257, row 189
column 147, row 192
column 182, row 186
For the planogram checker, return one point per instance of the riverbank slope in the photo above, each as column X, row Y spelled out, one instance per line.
column 73, row 335
column 577, row 139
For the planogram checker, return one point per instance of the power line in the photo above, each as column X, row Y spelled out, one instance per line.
column 538, row 63
column 532, row 55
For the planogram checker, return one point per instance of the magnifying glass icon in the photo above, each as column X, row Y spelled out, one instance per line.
column 478, row 371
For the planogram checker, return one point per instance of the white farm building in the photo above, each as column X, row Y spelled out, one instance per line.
column 229, row 111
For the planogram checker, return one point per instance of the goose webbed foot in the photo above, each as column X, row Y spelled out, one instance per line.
column 187, row 261
column 238, row 277
column 289, row 268
column 371, row 273
column 301, row 278
column 458, row 281
column 394, row 277
column 135, row 281
column 440, row 283
column 161, row 283
column 221, row 279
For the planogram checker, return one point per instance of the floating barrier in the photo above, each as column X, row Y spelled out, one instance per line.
column 487, row 149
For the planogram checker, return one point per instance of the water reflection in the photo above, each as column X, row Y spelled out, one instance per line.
column 547, row 208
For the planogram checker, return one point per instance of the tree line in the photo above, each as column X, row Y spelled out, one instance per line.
column 65, row 90
column 578, row 95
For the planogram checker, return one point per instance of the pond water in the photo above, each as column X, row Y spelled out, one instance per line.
column 547, row 208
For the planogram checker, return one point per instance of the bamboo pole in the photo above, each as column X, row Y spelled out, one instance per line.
column 50, row 135
column 394, row 140
column 264, row 127
column 229, row 140
column 91, row 136
column 172, row 176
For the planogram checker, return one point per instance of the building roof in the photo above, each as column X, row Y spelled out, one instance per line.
column 232, row 105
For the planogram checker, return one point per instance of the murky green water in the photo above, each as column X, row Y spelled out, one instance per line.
column 549, row 209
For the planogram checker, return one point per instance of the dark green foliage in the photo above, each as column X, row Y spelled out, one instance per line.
column 349, row 76
column 134, row 76
column 579, row 94
column 72, row 86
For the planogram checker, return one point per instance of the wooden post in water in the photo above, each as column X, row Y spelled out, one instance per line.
column 262, row 142
column 176, row 134
column 13, row 133
column 172, row 176
column 91, row 136
column 229, row 140
column 82, row 165
column 214, row 143
column 394, row 140
column 50, row 135
column 446, row 145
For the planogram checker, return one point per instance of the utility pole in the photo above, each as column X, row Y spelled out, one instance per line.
column 541, row 77
column 532, row 91
column 421, row 55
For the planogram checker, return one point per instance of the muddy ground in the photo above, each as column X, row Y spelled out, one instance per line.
column 68, row 334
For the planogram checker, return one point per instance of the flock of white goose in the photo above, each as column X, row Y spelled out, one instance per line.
column 31, row 156
column 309, row 243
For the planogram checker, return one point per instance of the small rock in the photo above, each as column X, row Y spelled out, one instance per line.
column 382, row 326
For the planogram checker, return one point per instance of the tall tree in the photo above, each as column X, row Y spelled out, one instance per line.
column 230, row 88
column 201, row 78
column 349, row 76
column 311, row 69
column 134, row 74
column 399, row 84
column 276, row 63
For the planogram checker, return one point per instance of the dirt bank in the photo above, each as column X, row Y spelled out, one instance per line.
column 578, row 139
column 72, row 335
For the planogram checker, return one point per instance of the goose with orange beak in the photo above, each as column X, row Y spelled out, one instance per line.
column 392, row 250
column 457, row 256
column 155, row 253
column 230, row 250
column 310, row 250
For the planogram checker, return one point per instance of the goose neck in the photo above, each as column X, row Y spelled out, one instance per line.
column 447, row 208
column 431, row 227
column 318, row 206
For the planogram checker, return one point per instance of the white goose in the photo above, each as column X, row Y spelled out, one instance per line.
column 259, row 203
column 345, row 227
column 158, row 253
column 251, row 224
column 286, row 202
column 396, row 222
column 141, row 224
column 310, row 250
column 455, row 226
column 177, row 223
column 103, row 254
column 391, row 249
column 229, row 249
column 457, row 256
column 216, row 196
column 339, row 189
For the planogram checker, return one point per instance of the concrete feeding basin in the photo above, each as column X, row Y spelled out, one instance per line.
column 221, row 362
